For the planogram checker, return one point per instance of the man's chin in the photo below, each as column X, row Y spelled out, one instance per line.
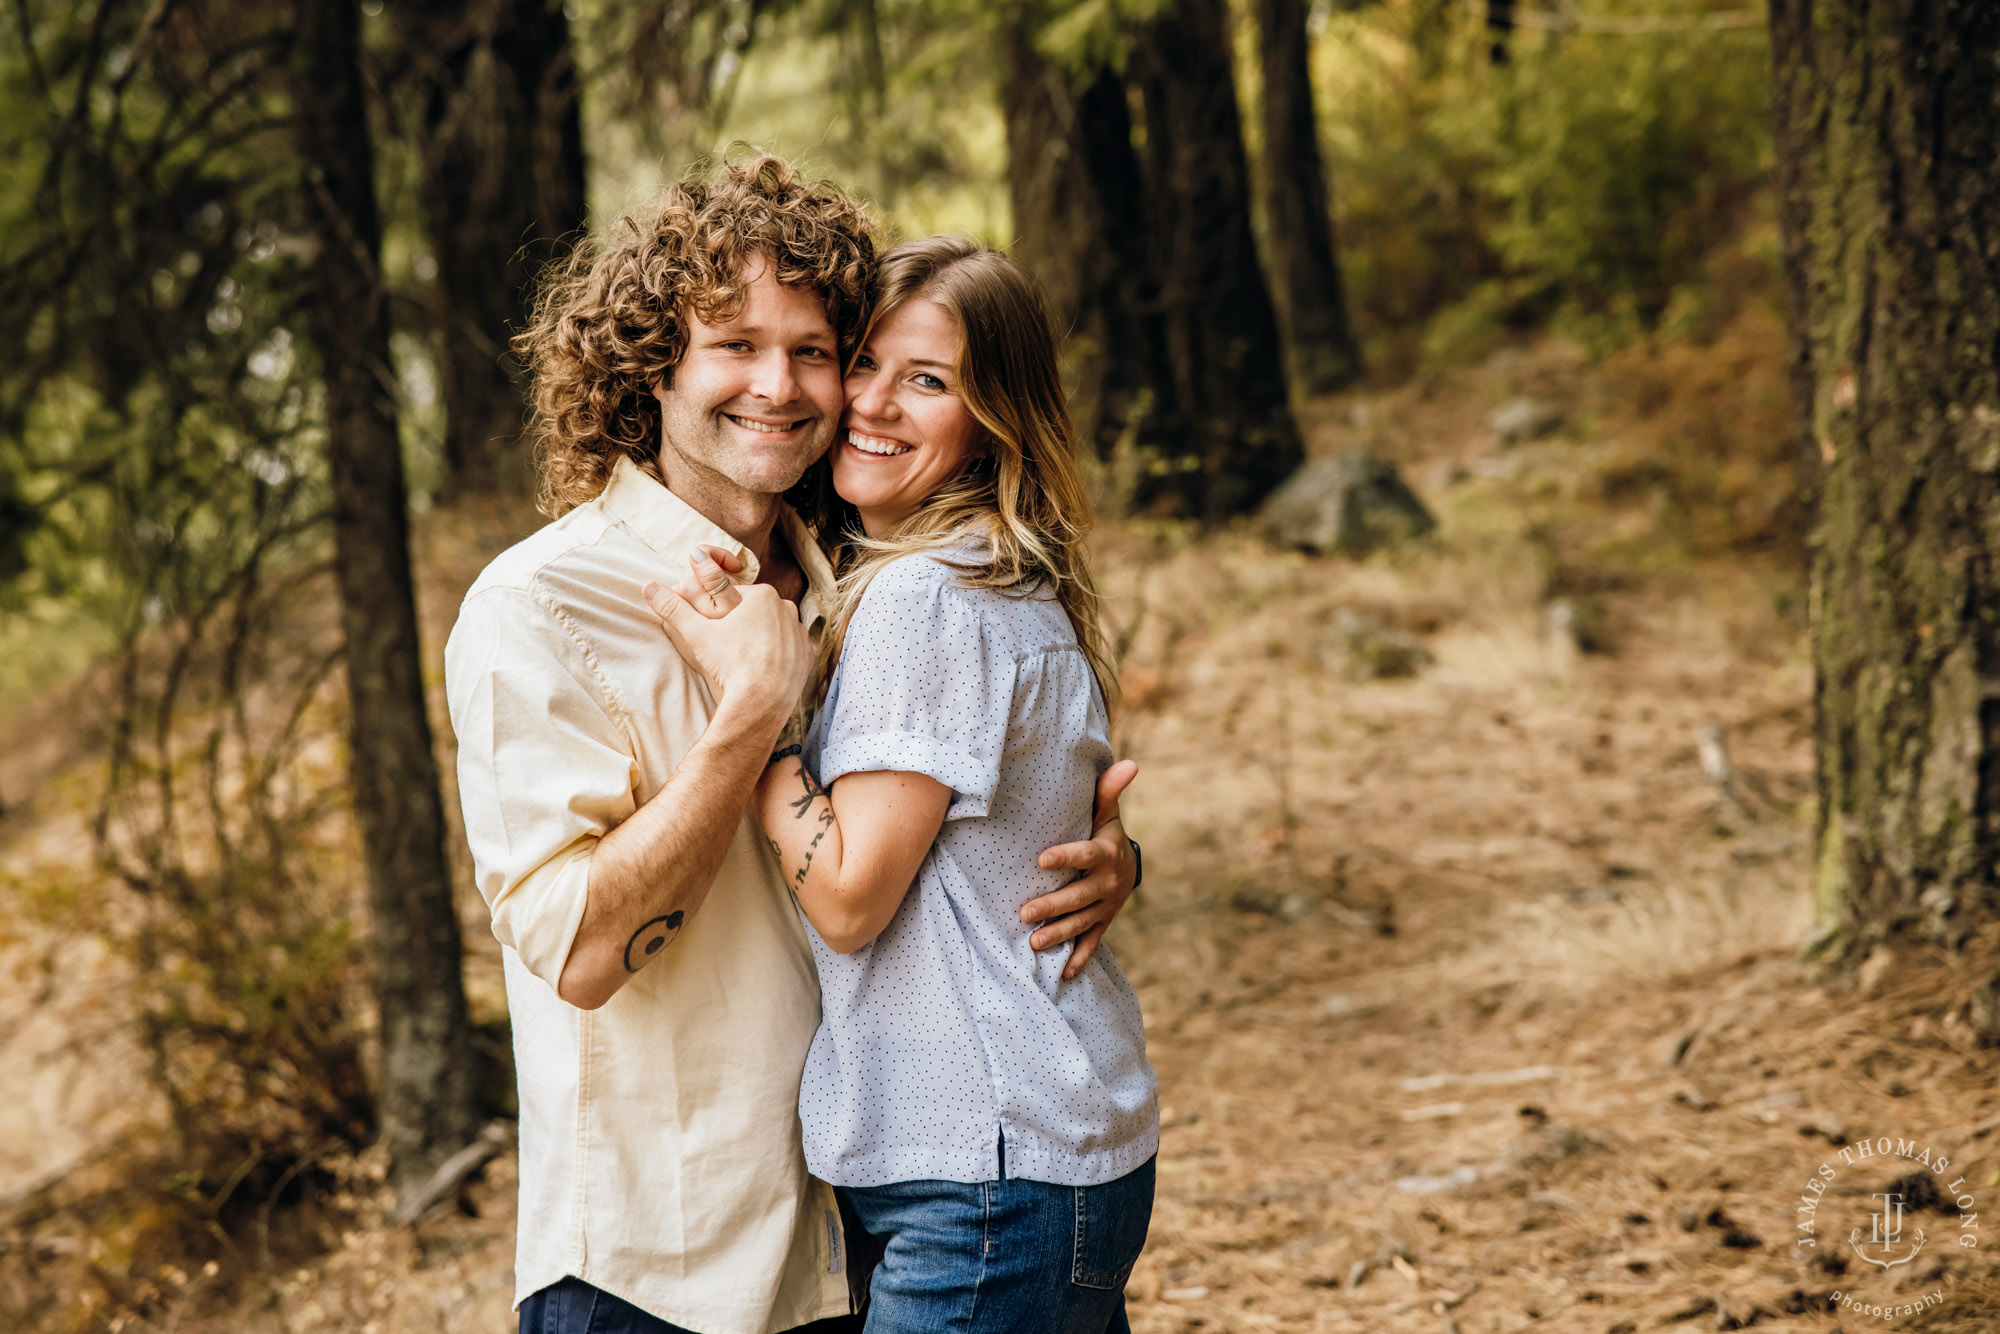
column 773, row 476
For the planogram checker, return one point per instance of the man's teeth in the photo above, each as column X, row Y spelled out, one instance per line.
column 772, row 428
column 869, row 444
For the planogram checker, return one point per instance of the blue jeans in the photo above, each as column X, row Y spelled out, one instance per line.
column 575, row 1307
column 1002, row 1257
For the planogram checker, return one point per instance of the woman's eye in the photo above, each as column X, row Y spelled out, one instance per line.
column 929, row 381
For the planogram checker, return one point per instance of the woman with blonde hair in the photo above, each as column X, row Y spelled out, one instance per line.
column 986, row 1112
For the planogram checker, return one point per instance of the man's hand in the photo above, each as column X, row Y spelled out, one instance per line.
column 1082, row 909
column 745, row 640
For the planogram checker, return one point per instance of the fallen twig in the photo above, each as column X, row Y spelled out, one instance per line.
column 454, row 1172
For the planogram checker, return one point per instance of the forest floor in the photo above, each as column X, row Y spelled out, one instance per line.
column 1475, row 999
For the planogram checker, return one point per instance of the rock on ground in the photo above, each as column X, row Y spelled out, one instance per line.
column 1353, row 503
column 1523, row 419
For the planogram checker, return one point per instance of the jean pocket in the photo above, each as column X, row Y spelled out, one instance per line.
column 1111, row 1224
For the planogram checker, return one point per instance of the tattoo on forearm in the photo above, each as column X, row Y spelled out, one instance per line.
column 651, row 938
column 806, row 804
column 813, row 791
column 825, row 823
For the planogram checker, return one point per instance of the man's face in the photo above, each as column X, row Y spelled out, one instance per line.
column 754, row 401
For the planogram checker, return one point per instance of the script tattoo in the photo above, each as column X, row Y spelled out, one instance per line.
column 805, row 805
column 651, row 938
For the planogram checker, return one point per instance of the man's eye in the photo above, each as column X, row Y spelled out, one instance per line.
column 818, row 352
column 736, row 346
column 864, row 362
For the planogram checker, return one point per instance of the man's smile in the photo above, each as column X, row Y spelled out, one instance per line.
column 767, row 428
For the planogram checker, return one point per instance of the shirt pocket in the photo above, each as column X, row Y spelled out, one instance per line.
column 1111, row 1222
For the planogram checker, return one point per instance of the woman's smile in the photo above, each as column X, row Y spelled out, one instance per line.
column 876, row 445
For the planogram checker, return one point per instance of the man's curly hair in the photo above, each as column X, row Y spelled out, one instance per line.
column 611, row 320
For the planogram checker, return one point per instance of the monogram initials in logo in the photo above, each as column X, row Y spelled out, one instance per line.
column 1886, row 1234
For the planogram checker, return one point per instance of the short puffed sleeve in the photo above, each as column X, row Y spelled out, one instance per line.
column 923, row 687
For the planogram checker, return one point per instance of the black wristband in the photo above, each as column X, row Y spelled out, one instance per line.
column 783, row 751
column 1138, row 863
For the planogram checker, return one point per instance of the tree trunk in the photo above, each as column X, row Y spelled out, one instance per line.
column 502, row 190
column 1887, row 114
column 1222, row 334
column 427, row 1089
column 1499, row 30
column 1305, row 271
column 1080, row 224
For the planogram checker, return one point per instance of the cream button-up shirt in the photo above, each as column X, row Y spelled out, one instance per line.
column 660, row 1140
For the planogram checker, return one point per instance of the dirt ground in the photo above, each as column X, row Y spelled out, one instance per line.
column 1475, row 998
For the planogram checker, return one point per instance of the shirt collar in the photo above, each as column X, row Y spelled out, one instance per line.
column 674, row 528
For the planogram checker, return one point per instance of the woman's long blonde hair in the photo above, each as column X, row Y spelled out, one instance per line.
column 1024, row 495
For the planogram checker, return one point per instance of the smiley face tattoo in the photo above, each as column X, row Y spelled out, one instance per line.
column 651, row 938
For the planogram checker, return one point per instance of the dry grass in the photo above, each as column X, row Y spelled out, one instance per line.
column 1475, row 1007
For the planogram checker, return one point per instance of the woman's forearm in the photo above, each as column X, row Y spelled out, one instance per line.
column 849, row 858
column 798, row 819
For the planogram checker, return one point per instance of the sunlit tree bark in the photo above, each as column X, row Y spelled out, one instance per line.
column 1887, row 114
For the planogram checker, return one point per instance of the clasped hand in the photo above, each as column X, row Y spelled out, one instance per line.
column 747, row 639
column 746, row 642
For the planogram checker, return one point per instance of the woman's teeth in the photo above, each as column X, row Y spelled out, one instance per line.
column 870, row 444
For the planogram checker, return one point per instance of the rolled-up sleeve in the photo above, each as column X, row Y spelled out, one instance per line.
column 544, row 770
column 923, row 689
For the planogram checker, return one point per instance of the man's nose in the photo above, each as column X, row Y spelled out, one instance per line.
column 773, row 379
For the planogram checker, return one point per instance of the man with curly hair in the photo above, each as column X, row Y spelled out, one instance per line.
column 686, row 374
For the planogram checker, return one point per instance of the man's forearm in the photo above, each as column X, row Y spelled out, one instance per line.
column 650, row 874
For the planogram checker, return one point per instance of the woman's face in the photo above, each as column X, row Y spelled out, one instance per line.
column 906, row 432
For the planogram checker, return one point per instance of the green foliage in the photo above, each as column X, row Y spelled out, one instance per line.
column 900, row 104
column 160, row 432
column 896, row 98
column 1585, row 179
column 1621, row 159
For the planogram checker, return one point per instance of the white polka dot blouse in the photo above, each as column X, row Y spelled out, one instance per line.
column 949, row 1033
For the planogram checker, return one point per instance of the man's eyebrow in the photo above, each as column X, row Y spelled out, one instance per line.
column 730, row 332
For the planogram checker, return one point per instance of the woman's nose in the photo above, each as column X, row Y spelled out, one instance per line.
column 871, row 398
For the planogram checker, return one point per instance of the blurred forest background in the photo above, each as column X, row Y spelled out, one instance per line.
column 1547, row 457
